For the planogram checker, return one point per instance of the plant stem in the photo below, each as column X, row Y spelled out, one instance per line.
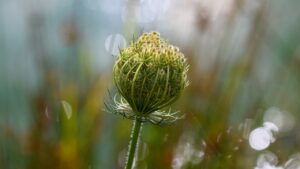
column 135, row 132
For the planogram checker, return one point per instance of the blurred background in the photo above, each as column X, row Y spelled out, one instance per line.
column 242, row 108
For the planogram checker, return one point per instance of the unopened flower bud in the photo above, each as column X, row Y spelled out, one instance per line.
column 149, row 88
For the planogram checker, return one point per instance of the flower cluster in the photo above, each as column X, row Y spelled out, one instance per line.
column 149, row 74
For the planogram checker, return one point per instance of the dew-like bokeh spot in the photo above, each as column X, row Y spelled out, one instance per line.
column 267, row 160
column 186, row 152
column 282, row 119
column 271, row 126
column 145, row 11
column 293, row 162
column 115, row 42
column 67, row 108
column 260, row 138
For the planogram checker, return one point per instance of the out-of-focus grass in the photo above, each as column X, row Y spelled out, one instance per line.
column 240, row 68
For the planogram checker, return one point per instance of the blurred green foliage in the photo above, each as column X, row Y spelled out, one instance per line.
column 55, row 73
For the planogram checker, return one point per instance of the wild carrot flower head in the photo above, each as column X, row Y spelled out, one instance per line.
column 149, row 74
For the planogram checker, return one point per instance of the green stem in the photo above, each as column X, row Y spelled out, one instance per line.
column 135, row 132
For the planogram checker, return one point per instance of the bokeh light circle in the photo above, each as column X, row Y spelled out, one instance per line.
column 115, row 42
column 260, row 138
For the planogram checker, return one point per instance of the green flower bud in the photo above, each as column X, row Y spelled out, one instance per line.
column 150, row 74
